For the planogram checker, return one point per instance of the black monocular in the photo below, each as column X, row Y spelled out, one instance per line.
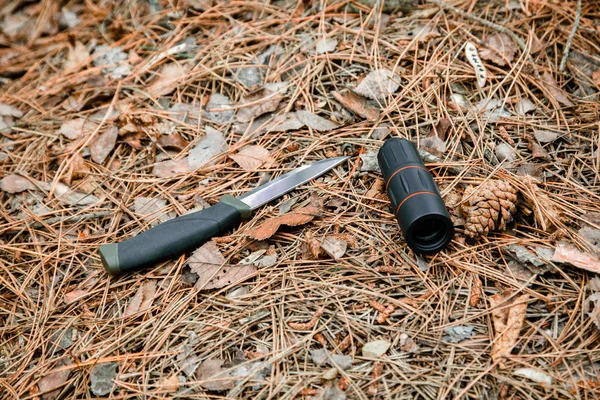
column 415, row 197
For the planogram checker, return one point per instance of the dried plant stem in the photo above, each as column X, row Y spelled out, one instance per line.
column 563, row 62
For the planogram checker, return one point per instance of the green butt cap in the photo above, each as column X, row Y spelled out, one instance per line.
column 109, row 254
column 243, row 208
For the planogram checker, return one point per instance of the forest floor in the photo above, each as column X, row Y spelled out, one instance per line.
column 118, row 115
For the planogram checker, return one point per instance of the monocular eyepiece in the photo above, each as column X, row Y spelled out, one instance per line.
column 415, row 197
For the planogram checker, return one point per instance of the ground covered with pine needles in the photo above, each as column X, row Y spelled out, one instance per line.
column 118, row 115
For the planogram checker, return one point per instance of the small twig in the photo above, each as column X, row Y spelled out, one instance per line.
column 563, row 62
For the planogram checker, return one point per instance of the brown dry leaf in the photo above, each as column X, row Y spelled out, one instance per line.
column 358, row 104
column 441, row 128
column 213, row 376
column 314, row 121
column 76, row 128
column 170, row 384
column 77, row 55
column 167, row 169
column 376, row 190
column 537, row 151
column 14, row 183
column 75, row 295
column 172, row 141
column 77, row 169
column 104, row 144
column 250, row 158
column 543, row 136
column 286, row 122
column 508, row 317
column 336, row 248
column 151, row 210
column 378, row 84
column 213, row 272
column 500, row 49
column 170, row 75
column 261, row 101
column 143, row 298
column 555, row 91
column 424, row 33
column 50, row 384
column 297, row 217
column 313, row 244
column 567, row 253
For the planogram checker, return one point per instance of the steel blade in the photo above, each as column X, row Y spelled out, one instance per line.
column 288, row 182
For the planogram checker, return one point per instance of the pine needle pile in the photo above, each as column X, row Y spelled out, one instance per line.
column 116, row 116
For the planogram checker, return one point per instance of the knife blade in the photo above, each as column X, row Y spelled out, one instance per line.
column 185, row 233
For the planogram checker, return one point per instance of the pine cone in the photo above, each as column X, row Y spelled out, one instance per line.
column 488, row 207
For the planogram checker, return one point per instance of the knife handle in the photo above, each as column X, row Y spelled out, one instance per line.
column 173, row 238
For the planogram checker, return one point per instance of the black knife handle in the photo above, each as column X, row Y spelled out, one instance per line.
column 173, row 238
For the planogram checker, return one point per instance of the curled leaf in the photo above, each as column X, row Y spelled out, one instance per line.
column 297, row 217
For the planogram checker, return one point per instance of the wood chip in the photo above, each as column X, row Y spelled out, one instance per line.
column 14, row 183
column 567, row 253
column 358, row 104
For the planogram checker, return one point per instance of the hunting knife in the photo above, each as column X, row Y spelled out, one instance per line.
column 185, row 233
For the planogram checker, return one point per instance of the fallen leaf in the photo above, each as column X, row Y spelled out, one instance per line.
column 358, row 104
column 114, row 61
column 458, row 333
column 267, row 260
column 238, row 292
column 473, row 58
column 314, row 121
column 500, row 49
column 297, row 217
column 14, row 183
column 330, row 374
column 508, row 316
column 172, row 141
column 102, row 378
column 101, row 147
column 169, row 77
column 249, row 76
column 77, row 168
column 336, row 248
column 313, row 245
column 153, row 211
column 407, row 344
column 590, row 234
column 492, row 109
column 375, row 349
column 286, row 205
column 143, row 298
column 323, row 356
column 326, row 45
column 505, row 152
column 524, row 105
column 75, row 295
column 212, row 376
column 369, row 161
column 537, row 151
column 212, row 144
column 534, row 375
column 213, row 271
column 433, row 144
column 186, row 113
column 378, row 84
column 76, row 56
column 50, row 384
column 9, row 111
column 261, row 101
column 423, row 33
column 286, row 122
column 250, row 158
column 555, row 91
column 518, row 271
column 187, row 359
column 567, row 253
column 545, row 136
column 441, row 128
column 219, row 109
column 167, row 169
column 76, row 128
column 170, row 384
